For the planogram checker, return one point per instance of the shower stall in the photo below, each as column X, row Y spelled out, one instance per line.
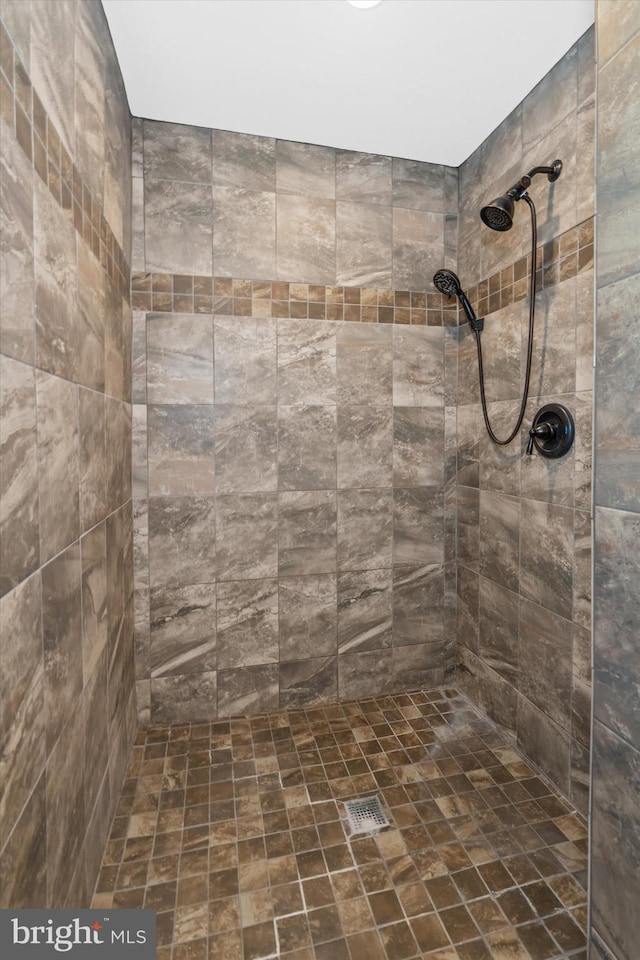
column 288, row 527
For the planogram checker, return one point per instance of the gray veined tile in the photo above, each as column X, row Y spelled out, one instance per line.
column 468, row 436
column 498, row 628
column 248, row 690
column 181, row 541
column 139, row 465
column 179, row 359
column 418, row 240
column 364, row 446
column 243, row 160
column 94, row 598
column 53, row 76
column 91, row 320
column 365, row 610
column 174, row 151
column 365, row 674
column 17, row 332
column 247, row 623
column 247, row 536
column 418, row 446
column 93, row 464
column 364, row 364
column 546, row 642
column 545, row 742
column 307, row 447
column 306, row 532
column 244, row 233
column 467, row 610
column 419, row 664
column 418, row 367
column 118, row 443
column 418, row 525
column 25, row 855
column 365, row 529
column 468, row 527
column 245, row 360
column 363, row 245
column 65, row 804
column 246, row 443
column 183, row 699
column 500, row 538
column 552, row 99
column 418, row 599
column 306, row 231
column 581, row 687
column 181, row 450
column 363, row 177
column 183, row 630
column 308, row 616
column 19, row 518
column 306, row 362
column 501, row 467
column 503, row 341
column 307, row 682
column 178, row 227
column 305, row 168
column 418, row 185
column 546, row 556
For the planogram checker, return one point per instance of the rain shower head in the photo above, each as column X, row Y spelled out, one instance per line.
column 499, row 214
column 447, row 283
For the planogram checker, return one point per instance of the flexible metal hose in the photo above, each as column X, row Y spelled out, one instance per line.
column 532, row 310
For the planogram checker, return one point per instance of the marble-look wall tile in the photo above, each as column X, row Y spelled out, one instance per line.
column 500, row 551
column 617, row 421
column 307, row 682
column 22, row 718
column 242, row 160
column 364, row 364
column 365, row 610
column 365, row 529
column 246, row 535
column 19, row 518
column 179, row 359
column 90, row 321
column 583, row 450
column 418, row 185
column 546, row 555
column 418, row 526
column 468, row 522
column 62, row 639
column 365, row 674
column 616, row 666
column 420, row 665
column 248, row 690
column 363, row 177
column 364, row 446
column 247, row 623
column 245, row 360
column 581, row 682
column 306, row 238
column 489, row 691
column 498, row 627
column 53, row 77
column 138, row 257
column 307, row 362
column 307, row 447
column 363, row 245
column 94, row 598
column 244, row 233
column 418, row 597
column 418, row 446
column 615, row 841
column 139, row 450
column 57, row 463
column 246, row 448
column 17, row 330
column 584, row 331
column 553, row 365
column 541, row 738
column 545, row 661
column 181, row 541
column 418, row 367
column 93, row 458
column 467, row 611
column 118, row 443
column 139, row 358
column 308, row 617
column 183, row 630
column 24, row 857
column 618, row 171
column 95, row 722
column 180, row 450
column 418, row 240
column 183, row 699
column 551, row 99
column 545, row 478
column 307, row 532
column 306, row 169
column 178, row 227
column 173, row 151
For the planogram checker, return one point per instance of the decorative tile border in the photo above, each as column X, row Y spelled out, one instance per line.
column 176, row 293
column 22, row 111
column 564, row 257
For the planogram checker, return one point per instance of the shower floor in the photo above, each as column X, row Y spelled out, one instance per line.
column 235, row 832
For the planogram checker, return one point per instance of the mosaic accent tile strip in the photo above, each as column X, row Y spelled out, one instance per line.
column 564, row 257
column 23, row 113
column 234, row 831
column 175, row 293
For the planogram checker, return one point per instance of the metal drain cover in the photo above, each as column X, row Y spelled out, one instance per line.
column 366, row 816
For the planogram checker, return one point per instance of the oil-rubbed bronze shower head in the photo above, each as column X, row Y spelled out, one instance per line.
column 499, row 214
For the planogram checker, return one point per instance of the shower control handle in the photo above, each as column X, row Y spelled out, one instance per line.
column 552, row 431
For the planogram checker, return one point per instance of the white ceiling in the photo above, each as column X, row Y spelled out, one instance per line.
column 422, row 79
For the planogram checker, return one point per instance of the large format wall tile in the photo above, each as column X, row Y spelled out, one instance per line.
column 306, row 169
column 181, row 541
column 307, row 532
column 308, row 617
column 93, row 458
column 246, row 447
column 418, row 446
column 242, row 160
column 418, row 367
column 244, row 233
column 176, row 152
column 546, row 642
column 418, row 240
column 363, row 228
column 540, row 737
column 178, row 220
column 248, row 690
column 17, row 334
column 307, row 682
column 307, row 362
column 418, row 597
column 247, row 623
column 180, row 450
column 19, row 517
column 247, row 546
column 179, row 359
column 183, row 633
column 365, row 529
column 364, row 446
column 500, row 525
column 363, row 177
column 57, row 464
column 364, row 364
column 418, row 527
column 245, row 360
column 546, row 555
column 497, row 618
column 365, row 610
column 307, row 447
column 306, row 238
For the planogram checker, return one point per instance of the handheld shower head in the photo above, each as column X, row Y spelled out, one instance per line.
column 499, row 214
column 447, row 283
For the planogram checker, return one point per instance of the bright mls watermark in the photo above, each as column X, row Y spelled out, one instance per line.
column 81, row 934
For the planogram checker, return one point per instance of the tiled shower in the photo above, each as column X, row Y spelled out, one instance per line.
column 258, row 554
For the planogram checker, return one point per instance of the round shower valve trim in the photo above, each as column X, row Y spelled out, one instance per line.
column 552, row 431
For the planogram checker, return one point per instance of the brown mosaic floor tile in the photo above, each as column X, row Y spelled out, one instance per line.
column 235, row 833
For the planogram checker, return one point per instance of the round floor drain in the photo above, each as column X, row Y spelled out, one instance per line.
column 366, row 815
